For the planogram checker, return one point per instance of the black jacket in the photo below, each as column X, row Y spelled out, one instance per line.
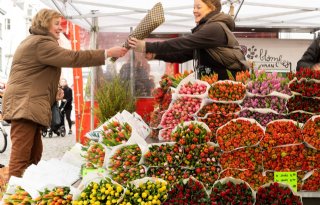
column 311, row 56
column 204, row 36
column 68, row 96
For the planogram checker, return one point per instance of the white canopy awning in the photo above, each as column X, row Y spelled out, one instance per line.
column 119, row 16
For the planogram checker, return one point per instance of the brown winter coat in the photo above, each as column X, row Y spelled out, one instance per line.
column 35, row 74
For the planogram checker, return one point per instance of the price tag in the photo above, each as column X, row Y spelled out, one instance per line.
column 289, row 178
column 86, row 171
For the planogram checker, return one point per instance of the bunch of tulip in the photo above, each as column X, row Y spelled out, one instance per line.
column 193, row 88
column 95, row 155
column 194, row 133
column 281, row 133
column 312, row 158
column 201, row 155
column 171, row 174
column 276, row 194
column 275, row 103
column 301, row 117
column 58, row 195
column 245, row 158
column 239, row 133
column 243, row 76
column 180, row 111
column 123, row 175
column 155, row 117
column 214, row 121
column 103, row 192
column 126, row 156
column 165, row 134
column 263, row 83
column 20, row 196
column 312, row 183
column 115, row 133
column 219, row 108
column 227, row 91
column 262, row 118
column 191, row 192
column 162, row 97
column 164, row 155
column 298, row 102
column 208, row 175
column 178, row 77
column 231, row 193
column 308, row 73
column 210, row 78
column 306, row 88
column 311, row 132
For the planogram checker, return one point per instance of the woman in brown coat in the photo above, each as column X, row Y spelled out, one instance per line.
column 33, row 85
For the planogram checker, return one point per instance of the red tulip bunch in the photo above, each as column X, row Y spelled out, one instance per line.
column 312, row 183
column 227, row 91
column 239, row 133
column 281, row 132
column 208, row 175
column 254, row 178
column 125, row 156
column 308, row 73
column 298, row 102
column 210, row 78
column 231, row 193
column 301, row 117
column 123, row 175
column 311, row 132
column 243, row 76
column 194, row 133
column 306, row 88
column 190, row 193
column 219, row 108
column 171, row 174
column 95, row 155
column 115, row 133
column 164, row 155
column 276, row 194
column 193, row 88
column 245, row 158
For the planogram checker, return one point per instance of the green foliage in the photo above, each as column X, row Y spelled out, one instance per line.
column 114, row 96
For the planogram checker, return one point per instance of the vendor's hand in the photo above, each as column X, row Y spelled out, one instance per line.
column 316, row 66
column 116, row 51
column 150, row 56
column 60, row 94
column 137, row 45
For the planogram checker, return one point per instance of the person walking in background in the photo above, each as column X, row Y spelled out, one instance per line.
column 212, row 44
column 311, row 57
column 68, row 106
column 33, row 85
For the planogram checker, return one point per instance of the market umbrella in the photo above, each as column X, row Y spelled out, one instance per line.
column 153, row 19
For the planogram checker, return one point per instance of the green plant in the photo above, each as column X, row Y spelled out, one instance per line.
column 114, row 96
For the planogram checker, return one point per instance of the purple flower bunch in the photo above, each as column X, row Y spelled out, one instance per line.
column 263, row 83
column 262, row 118
column 275, row 103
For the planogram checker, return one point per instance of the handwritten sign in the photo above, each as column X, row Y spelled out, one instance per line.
column 289, row 178
column 86, row 171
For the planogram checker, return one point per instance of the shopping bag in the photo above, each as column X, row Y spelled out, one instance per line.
column 56, row 116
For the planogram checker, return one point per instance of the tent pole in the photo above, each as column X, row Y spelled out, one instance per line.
column 93, row 45
column 132, row 80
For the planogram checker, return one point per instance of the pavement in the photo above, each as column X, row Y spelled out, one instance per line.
column 54, row 147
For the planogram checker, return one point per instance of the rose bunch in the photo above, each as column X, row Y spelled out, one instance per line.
column 200, row 155
column 219, row 108
column 308, row 73
column 312, row 183
column 125, row 156
column 311, row 132
column 20, row 196
column 208, row 175
column 102, row 192
column 275, row 103
column 164, row 155
column 171, row 174
column 239, row 133
column 298, row 116
column 281, row 133
column 94, row 155
column 254, row 178
column 190, row 193
column 286, row 158
column 245, row 158
column 193, row 133
column 214, row 121
column 306, row 88
column 262, row 118
column 115, row 133
column 298, row 102
column 231, row 193
column 227, row 91
column 125, row 174
column 148, row 192
column 58, row 195
column 276, row 194
column 263, row 83
column 180, row 111
column 210, row 78
column 193, row 88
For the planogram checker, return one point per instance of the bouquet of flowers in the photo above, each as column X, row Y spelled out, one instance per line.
column 115, row 133
column 227, row 91
column 311, row 132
